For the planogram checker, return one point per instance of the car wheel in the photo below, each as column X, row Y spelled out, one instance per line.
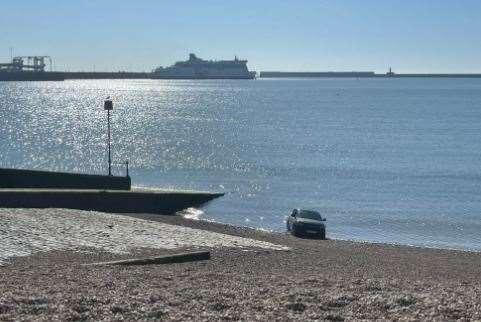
column 322, row 234
column 294, row 231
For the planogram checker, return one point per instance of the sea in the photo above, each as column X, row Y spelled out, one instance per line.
column 385, row 160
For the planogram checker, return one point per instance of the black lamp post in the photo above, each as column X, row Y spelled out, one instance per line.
column 109, row 106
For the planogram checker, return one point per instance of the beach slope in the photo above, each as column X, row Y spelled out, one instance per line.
column 252, row 275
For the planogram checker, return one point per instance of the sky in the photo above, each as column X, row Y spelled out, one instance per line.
column 303, row 35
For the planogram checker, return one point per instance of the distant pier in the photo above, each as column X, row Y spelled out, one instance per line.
column 278, row 74
column 33, row 68
column 105, row 75
column 361, row 74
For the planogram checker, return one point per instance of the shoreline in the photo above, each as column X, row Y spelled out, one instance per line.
column 393, row 244
column 232, row 229
column 303, row 279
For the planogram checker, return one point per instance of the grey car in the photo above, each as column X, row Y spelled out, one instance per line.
column 306, row 222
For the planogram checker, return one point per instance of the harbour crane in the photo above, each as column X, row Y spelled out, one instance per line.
column 29, row 63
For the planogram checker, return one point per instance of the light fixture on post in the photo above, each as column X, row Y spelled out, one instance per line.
column 109, row 106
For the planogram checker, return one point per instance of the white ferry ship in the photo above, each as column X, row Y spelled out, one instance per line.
column 196, row 68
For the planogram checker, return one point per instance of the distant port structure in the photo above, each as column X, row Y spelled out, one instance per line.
column 27, row 63
column 29, row 68
column 33, row 68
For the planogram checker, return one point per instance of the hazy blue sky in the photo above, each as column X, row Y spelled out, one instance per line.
column 409, row 35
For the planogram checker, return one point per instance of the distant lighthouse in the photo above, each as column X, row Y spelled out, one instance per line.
column 390, row 73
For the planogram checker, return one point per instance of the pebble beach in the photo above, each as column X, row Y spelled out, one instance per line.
column 252, row 275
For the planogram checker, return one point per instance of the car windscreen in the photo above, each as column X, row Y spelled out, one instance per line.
column 309, row 215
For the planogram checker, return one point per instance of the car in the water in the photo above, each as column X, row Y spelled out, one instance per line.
column 306, row 222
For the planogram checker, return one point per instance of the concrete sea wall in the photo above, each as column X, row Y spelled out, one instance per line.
column 18, row 178
column 116, row 201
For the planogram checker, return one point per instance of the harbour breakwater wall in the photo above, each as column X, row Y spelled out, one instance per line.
column 104, row 75
column 19, row 178
column 276, row 74
column 61, row 76
column 279, row 74
column 267, row 74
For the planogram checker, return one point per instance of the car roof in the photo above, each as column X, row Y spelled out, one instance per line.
column 307, row 210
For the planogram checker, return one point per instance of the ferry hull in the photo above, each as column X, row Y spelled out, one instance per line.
column 201, row 77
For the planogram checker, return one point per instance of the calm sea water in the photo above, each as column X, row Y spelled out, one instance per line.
column 385, row 160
